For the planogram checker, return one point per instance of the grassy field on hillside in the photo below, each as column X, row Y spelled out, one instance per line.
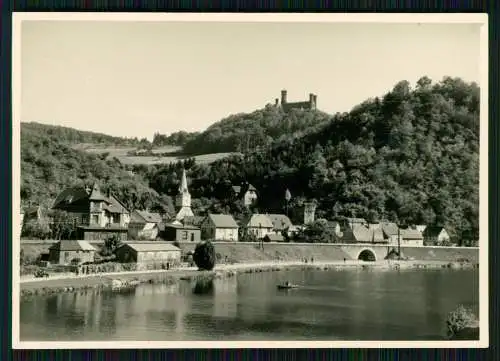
column 121, row 154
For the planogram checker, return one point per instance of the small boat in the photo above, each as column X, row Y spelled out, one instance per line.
column 286, row 286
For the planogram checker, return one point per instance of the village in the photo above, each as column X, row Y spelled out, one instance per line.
column 147, row 237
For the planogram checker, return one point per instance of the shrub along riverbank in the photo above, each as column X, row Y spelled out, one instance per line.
column 462, row 324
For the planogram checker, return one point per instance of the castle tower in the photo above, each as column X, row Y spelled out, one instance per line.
column 183, row 200
column 311, row 101
column 283, row 96
column 309, row 210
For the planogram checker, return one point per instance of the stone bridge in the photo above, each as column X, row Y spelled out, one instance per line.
column 368, row 252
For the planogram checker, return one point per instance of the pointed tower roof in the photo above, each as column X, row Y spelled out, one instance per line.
column 184, row 186
column 96, row 194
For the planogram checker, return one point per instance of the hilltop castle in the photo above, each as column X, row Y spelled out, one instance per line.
column 286, row 106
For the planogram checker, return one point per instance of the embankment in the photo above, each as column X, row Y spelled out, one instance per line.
column 252, row 252
column 73, row 283
column 239, row 252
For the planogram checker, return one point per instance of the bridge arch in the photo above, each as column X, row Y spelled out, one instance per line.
column 367, row 254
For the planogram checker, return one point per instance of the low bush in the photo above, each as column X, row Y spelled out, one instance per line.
column 459, row 319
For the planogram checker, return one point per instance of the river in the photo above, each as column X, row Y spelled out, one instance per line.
column 330, row 305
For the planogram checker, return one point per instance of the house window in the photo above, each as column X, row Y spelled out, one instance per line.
column 66, row 256
column 184, row 235
column 95, row 219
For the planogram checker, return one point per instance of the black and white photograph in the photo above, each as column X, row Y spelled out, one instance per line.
column 249, row 180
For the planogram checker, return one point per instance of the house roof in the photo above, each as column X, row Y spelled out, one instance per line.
column 145, row 217
column 74, row 194
column 362, row 234
column 69, row 245
column 259, row 221
column 377, row 235
column 433, row 231
column 115, row 206
column 389, row 228
column 70, row 195
column 251, row 188
column 410, row 233
column 223, row 220
column 236, row 189
column 275, row 237
column 181, row 226
column 151, row 246
column 280, row 221
column 193, row 220
column 332, row 224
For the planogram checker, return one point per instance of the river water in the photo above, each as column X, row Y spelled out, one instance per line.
column 330, row 305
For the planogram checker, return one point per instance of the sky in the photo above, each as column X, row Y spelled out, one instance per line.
column 136, row 78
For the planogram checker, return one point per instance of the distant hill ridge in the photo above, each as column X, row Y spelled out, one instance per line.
column 75, row 136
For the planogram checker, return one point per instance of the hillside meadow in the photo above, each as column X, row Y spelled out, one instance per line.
column 122, row 154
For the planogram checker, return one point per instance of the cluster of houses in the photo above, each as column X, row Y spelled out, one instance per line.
column 98, row 216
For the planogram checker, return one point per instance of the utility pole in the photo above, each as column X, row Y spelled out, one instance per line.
column 399, row 243
column 261, row 240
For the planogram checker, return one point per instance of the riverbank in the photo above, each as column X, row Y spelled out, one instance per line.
column 71, row 283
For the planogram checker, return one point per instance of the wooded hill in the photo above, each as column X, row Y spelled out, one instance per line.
column 68, row 135
column 259, row 129
column 49, row 164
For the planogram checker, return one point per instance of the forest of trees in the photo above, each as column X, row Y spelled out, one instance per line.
column 68, row 135
column 411, row 156
column 179, row 138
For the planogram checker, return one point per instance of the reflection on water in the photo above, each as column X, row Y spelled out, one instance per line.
column 203, row 287
column 330, row 305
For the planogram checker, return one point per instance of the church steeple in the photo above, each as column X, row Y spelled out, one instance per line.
column 183, row 199
column 184, row 185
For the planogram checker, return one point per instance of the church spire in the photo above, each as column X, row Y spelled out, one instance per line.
column 184, row 185
column 183, row 199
